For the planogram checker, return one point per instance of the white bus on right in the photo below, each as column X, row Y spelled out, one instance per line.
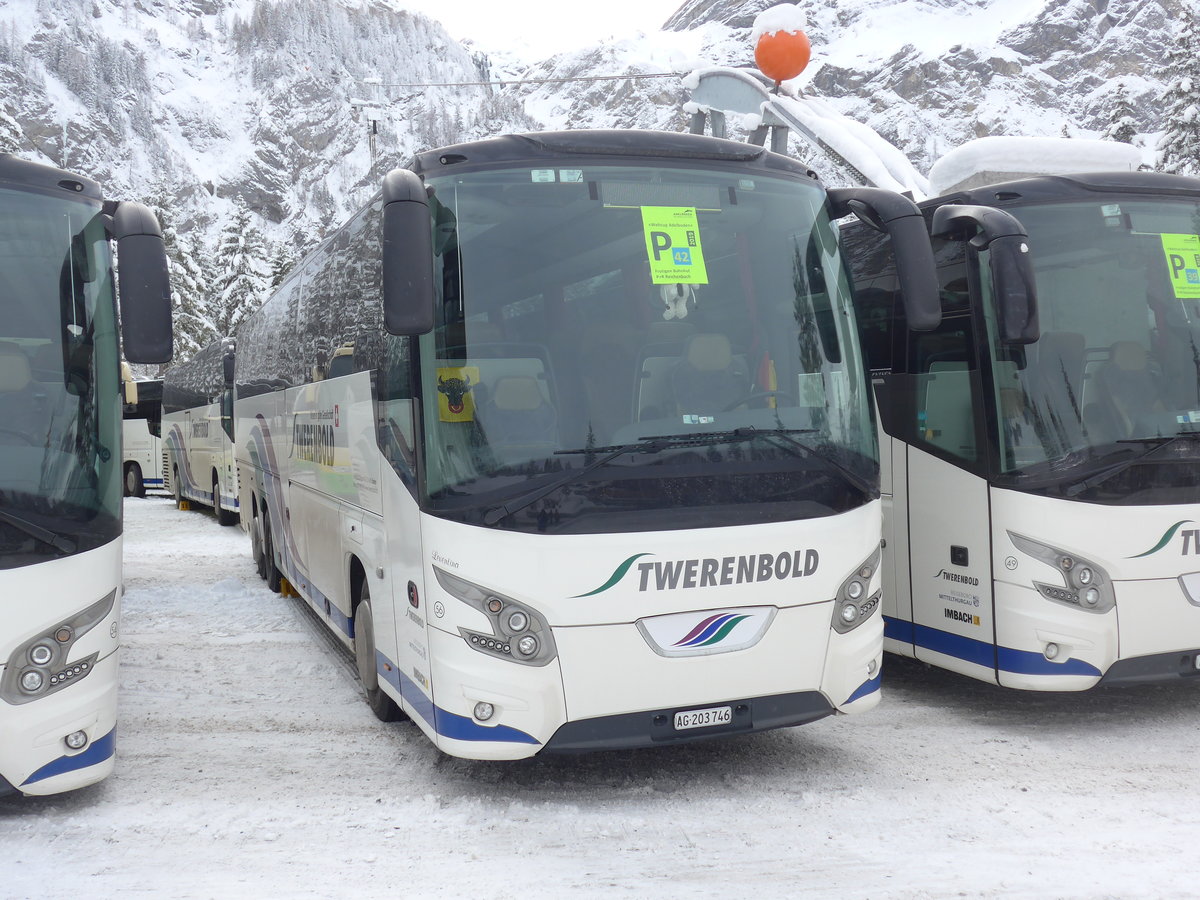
column 1040, row 449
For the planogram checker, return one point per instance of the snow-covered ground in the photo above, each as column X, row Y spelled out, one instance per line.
column 248, row 767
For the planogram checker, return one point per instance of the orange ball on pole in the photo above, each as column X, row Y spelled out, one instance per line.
column 781, row 55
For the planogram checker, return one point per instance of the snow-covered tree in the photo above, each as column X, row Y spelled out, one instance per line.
column 190, row 287
column 1179, row 148
column 10, row 133
column 1121, row 125
column 282, row 260
column 242, row 277
column 186, row 257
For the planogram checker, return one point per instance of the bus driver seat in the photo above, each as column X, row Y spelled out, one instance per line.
column 709, row 379
column 517, row 420
column 16, row 399
column 1127, row 387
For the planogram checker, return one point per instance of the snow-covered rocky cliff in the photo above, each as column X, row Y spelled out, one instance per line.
column 293, row 108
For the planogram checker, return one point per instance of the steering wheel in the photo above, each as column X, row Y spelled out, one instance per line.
column 755, row 395
column 22, row 435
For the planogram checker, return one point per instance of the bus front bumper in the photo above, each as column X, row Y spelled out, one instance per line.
column 33, row 757
column 657, row 727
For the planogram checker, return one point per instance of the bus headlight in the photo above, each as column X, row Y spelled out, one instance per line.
column 32, row 681
column 1085, row 585
column 518, row 633
column 42, row 665
column 855, row 600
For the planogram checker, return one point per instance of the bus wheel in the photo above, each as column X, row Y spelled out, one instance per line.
column 381, row 704
column 224, row 516
column 271, row 571
column 177, row 488
column 134, row 486
column 256, row 546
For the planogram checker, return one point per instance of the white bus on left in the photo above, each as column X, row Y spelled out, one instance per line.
column 60, row 463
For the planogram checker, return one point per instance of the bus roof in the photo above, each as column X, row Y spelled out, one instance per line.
column 1045, row 188
column 21, row 172
column 600, row 143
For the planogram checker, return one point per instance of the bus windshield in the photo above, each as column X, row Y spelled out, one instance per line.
column 1116, row 370
column 60, row 413
column 696, row 318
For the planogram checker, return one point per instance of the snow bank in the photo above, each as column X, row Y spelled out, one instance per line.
column 996, row 159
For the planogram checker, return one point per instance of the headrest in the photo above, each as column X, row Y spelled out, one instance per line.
column 47, row 362
column 517, row 392
column 14, row 368
column 708, row 352
column 1128, row 356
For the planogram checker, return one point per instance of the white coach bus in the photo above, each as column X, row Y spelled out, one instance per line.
column 1042, row 457
column 142, row 437
column 568, row 436
column 60, row 463
column 197, row 424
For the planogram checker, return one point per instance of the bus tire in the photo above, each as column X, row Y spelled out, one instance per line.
column 381, row 704
column 134, row 486
column 256, row 546
column 176, row 488
column 272, row 574
column 224, row 516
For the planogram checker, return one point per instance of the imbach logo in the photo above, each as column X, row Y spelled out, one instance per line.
column 681, row 574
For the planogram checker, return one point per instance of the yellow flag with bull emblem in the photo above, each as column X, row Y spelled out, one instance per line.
column 456, row 399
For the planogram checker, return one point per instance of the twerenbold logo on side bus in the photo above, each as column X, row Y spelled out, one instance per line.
column 684, row 574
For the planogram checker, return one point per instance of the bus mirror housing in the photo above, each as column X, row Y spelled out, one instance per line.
column 1009, row 263
column 407, row 255
column 143, row 285
column 904, row 224
column 227, row 365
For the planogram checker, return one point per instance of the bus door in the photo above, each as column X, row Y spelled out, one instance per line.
column 947, row 503
column 882, row 329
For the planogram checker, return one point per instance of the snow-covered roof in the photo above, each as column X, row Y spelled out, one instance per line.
column 992, row 160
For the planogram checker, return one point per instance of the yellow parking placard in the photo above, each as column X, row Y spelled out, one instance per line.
column 1183, row 264
column 673, row 245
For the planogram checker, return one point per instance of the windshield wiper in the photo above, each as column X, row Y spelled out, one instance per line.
column 649, row 445
column 787, row 436
column 1157, row 443
column 45, row 535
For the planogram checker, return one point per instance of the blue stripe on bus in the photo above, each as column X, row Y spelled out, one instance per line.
column 1029, row 662
column 898, row 630
column 444, row 722
column 983, row 653
column 98, row 752
column 867, row 687
column 152, row 482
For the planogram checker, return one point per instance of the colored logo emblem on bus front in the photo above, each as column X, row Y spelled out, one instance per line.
column 705, row 633
column 711, row 631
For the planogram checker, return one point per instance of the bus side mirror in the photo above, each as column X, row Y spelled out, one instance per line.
column 227, row 366
column 1009, row 263
column 408, row 295
column 904, row 224
column 143, row 285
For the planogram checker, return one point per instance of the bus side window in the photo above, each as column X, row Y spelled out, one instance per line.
column 945, row 397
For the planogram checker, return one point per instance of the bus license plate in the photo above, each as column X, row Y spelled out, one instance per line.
column 702, row 718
